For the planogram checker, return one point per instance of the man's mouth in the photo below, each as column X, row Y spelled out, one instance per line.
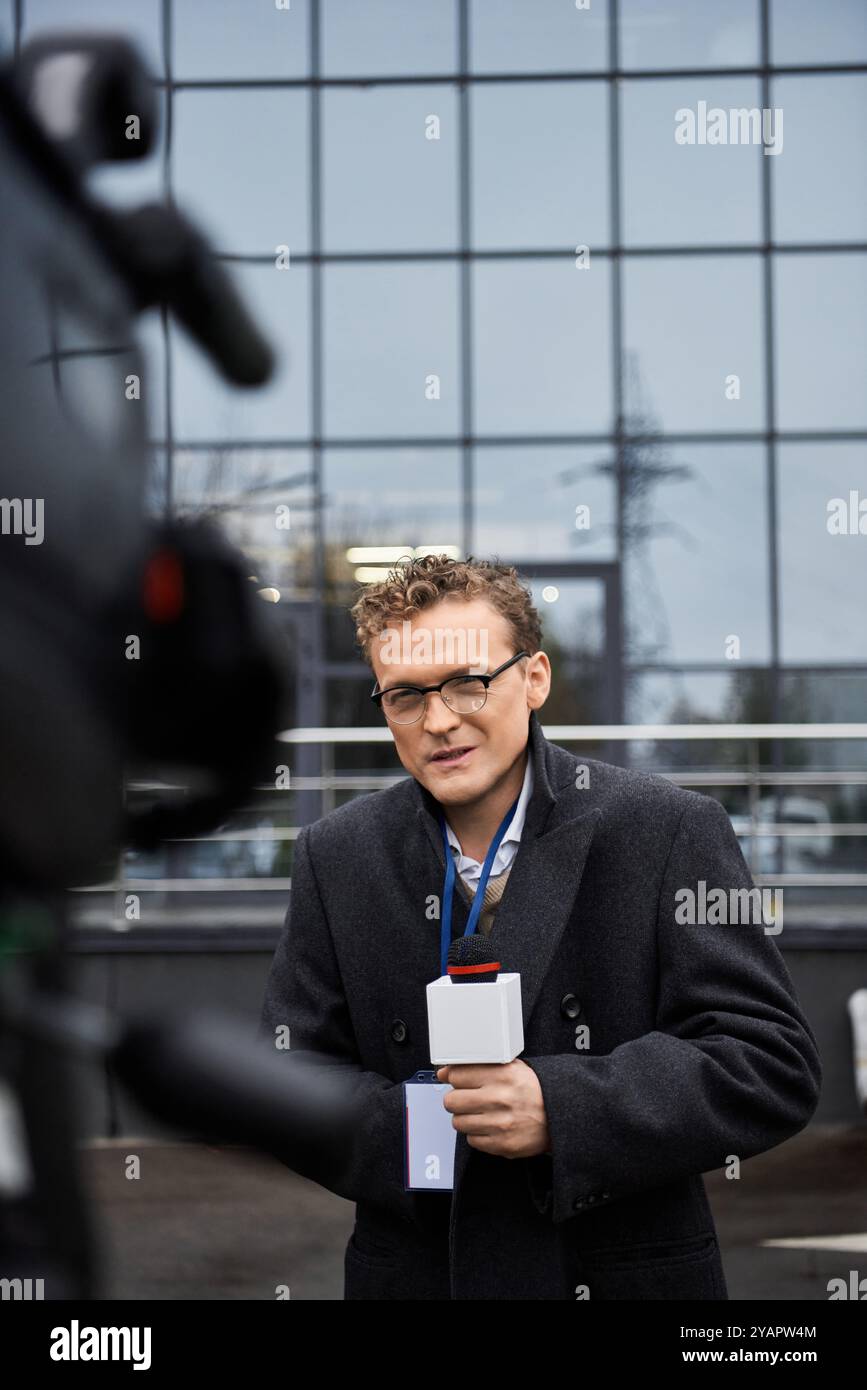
column 450, row 757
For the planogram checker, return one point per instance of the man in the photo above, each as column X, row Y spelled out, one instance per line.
column 654, row 1050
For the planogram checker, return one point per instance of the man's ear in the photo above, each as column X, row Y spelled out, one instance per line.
column 539, row 676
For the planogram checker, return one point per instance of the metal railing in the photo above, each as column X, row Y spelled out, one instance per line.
column 753, row 776
column 752, row 828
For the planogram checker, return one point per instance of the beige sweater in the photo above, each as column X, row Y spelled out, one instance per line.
column 493, row 894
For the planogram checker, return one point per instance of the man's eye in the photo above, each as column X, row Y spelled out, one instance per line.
column 402, row 697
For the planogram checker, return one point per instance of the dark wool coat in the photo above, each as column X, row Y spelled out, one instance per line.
column 698, row 1049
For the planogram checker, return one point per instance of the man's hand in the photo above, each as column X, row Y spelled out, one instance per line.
column 499, row 1107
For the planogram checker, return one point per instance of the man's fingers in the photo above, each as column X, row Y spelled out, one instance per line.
column 482, row 1126
column 468, row 1074
column 478, row 1101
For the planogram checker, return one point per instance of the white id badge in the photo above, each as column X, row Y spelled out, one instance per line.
column 429, row 1135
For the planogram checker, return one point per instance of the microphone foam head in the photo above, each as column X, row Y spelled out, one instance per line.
column 473, row 960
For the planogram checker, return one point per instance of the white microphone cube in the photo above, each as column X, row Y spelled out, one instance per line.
column 479, row 1022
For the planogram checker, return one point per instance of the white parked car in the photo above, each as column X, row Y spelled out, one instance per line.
column 802, row 853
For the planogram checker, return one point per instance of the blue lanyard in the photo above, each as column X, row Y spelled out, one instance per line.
column 449, row 885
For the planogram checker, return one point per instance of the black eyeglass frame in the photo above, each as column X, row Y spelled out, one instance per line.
column 423, row 690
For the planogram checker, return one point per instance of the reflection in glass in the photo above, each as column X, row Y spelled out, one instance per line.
column 696, row 525
column 821, row 341
column 823, row 575
column 542, row 503
column 233, row 39
column 682, row 34
column 513, row 36
column 388, row 185
column 542, row 347
column 395, row 497
column 520, row 200
column 391, row 349
column 816, row 196
column 833, row 32
column 694, row 327
column 261, row 498
column 381, row 37
column 239, row 166
column 573, row 636
column 206, row 407
column 138, row 20
column 677, row 194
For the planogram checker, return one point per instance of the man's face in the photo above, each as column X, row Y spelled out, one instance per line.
column 488, row 741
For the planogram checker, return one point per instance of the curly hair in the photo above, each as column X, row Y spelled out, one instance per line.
column 415, row 584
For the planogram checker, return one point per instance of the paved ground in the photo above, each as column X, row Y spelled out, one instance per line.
column 208, row 1223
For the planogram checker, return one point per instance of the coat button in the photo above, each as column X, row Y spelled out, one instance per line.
column 399, row 1031
column 578, row 1203
column 570, row 1006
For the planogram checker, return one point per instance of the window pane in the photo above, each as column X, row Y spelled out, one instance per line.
column 390, row 333
column 239, row 40
column 822, row 600
column 240, row 167
column 680, row 34
column 572, row 612
column 252, row 494
column 137, row 20
column 817, row 188
column 691, row 697
column 402, row 498
column 685, row 596
column 676, row 194
column 691, row 325
column 379, row 37
column 540, row 164
column 804, row 32
column 526, row 503
column 821, row 341
column 826, row 697
column 206, row 407
column 514, row 36
column 542, row 347
column 391, row 503
column 388, row 187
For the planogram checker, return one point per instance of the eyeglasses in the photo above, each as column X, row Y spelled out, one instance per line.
column 404, row 704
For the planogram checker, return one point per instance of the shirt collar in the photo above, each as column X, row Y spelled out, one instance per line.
column 517, row 825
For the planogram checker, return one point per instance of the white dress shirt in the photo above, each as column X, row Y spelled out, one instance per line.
column 469, row 869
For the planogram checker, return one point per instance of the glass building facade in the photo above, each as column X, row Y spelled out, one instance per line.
column 581, row 287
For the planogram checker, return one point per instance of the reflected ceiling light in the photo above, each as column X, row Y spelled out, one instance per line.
column 550, row 593
column 390, row 554
column 376, row 554
column 269, row 595
column 371, row 574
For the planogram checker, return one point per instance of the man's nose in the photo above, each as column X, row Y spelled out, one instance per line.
column 438, row 718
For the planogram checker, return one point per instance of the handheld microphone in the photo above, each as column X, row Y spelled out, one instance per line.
column 479, row 1024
